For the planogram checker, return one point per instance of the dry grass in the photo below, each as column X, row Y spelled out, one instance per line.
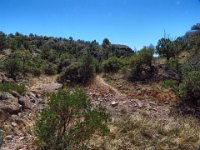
column 140, row 132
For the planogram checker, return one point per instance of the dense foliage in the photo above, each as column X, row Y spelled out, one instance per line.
column 113, row 64
column 80, row 72
column 141, row 65
column 184, row 76
column 69, row 121
column 38, row 55
column 189, row 89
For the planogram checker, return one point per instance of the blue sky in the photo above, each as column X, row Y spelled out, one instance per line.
column 132, row 22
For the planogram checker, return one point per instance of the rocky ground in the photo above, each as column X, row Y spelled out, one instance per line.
column 122, row 99
column 18, row 112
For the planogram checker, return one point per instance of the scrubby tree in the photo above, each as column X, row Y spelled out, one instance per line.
column 106, row 43
column 13, row 65
column 69, row 121
column 2, row 41
column 141, row 65
column 80, row 72
column 189, row 89
column 166, row 48
column 112, row 64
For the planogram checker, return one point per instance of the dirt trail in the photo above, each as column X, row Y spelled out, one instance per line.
column 101, row 82
column 105, row 93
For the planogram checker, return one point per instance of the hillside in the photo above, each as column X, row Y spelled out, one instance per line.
column 58, row 93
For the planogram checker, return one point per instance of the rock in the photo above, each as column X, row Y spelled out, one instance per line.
column 13, row 124
column 139, row 103
column 8, row 137
column 114, row 103
column 52, row 87
column 21, row 138
column 15, row 94
column 154, row 109
column 30, row 94
column 11, row 106
column 21, row 101
column 5, row 96
column 152, row 103
column 24, row 102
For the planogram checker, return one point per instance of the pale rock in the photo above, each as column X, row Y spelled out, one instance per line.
column 13, row 124
column 114, row 103
column 8, row 137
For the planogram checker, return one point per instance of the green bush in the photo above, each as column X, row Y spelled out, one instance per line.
column 174, row 69
column 69, row 121
column 112, row 64
column 170, row 84
column 140, row 65
column 13, row 66
column 71, row 74
column 88, row 68
column 8, row 87
column 78, row 73
column 50, row 69
column 189, row 89
column 36, row 71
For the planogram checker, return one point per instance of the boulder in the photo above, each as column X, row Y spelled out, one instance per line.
column 24, row 102
column 11, row 106
column 52, row 87
column 5, row 95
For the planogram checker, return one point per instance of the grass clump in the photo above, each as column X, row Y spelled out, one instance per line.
column 8, row 87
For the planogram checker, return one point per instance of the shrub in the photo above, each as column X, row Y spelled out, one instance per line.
column 8, row 87
column 112, row 64
column 172, row 84
column 69, row 121
column 36, row 71
column 173, row 69
column 50, row 69
column 88, row 68
column 189, row 89
column 13, row 66
column 78, row 73
column 71, row 74
column 167, row 48
column 140, row 65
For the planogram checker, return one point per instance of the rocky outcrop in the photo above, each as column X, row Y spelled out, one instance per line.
column 10, row 106
column 122, row 47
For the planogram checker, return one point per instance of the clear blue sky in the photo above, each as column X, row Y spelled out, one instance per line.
column 132, row 22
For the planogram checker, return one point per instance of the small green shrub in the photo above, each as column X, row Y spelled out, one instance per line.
column 174, row 69
column 112, row 64
column 8, row 87
column 189, row 89
column 69, row 121
column 50, row 69
column 13, row 66
column 36, row 71
column 172, row 84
